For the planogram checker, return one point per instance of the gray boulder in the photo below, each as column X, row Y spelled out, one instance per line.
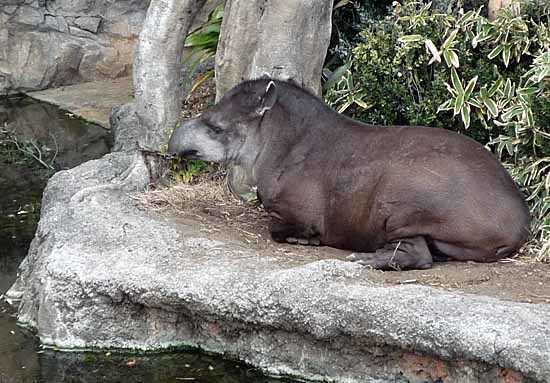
column 103, row 273
column 50, row 43
column 88, row 23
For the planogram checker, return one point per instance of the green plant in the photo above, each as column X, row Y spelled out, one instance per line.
column 345, row 91
column 188, row 171
column 203, row 43
column 348, row 18
column 461, row 71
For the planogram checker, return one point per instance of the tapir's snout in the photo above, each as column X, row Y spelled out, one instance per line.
column 193, row 140
column 182, row 143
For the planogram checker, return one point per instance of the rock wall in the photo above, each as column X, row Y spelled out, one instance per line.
column 45, row 43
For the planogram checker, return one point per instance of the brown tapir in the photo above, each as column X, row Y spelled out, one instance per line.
column 400, row 197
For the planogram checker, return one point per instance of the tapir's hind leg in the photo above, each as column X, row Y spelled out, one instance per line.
column 290, row 232
column 488, row 254
column 407, row 253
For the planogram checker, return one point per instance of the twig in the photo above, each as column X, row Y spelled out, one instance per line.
column 30, row 153
column 545, row 297
column 156, row 153
column 56, row 147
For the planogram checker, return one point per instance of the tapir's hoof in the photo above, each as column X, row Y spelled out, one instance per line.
column 303, row 241
column 314, row 242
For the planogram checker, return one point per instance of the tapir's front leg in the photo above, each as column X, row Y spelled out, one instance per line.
column 401, row 254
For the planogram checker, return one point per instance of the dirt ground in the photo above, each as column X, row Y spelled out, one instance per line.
column 210, row 207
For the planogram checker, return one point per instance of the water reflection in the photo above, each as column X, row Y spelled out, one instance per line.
column 66, row 140
column 70, row 141
column 57, row 133
column 19, row 361
column 160, row 368
column 22, row 361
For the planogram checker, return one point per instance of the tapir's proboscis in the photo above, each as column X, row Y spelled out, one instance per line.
column 399, row 197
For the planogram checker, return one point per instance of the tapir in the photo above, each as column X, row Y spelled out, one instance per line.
column 398, row 197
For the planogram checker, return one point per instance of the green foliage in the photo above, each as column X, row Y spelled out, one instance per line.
column 349, row 17
column 188, row 171
column 461, row 71
column 203, row 43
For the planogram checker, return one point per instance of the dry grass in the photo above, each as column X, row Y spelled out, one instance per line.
column 200, row 100
column 181, row 195
column 209, row 200
column 535, row 251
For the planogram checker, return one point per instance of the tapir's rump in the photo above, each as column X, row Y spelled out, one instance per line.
column 399, row 197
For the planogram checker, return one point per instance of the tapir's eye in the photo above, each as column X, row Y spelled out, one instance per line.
column 214, row 128
column 217, row 129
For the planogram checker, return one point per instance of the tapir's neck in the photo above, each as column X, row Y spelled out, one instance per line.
column 288, row 124
column 271, row 138
column 244, row 159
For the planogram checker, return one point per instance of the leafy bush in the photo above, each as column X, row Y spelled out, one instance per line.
column 487, row 79
column 203, row 43
column 348, row 19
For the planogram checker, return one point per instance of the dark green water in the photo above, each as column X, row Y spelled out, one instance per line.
column 71, row 142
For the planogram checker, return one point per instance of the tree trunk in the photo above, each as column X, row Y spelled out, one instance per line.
column 157, row 76
column 284, row 39
column 494, row 6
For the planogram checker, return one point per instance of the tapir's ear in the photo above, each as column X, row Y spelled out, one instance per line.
column 268, row 99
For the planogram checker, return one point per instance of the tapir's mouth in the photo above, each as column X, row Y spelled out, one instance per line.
column 190, row 154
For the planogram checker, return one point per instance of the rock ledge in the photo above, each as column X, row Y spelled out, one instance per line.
column 101, row 273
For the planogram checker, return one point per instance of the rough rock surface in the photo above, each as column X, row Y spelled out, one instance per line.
column 50, row 43
column 103, row 273
column 44, row 44
column 93, row 101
